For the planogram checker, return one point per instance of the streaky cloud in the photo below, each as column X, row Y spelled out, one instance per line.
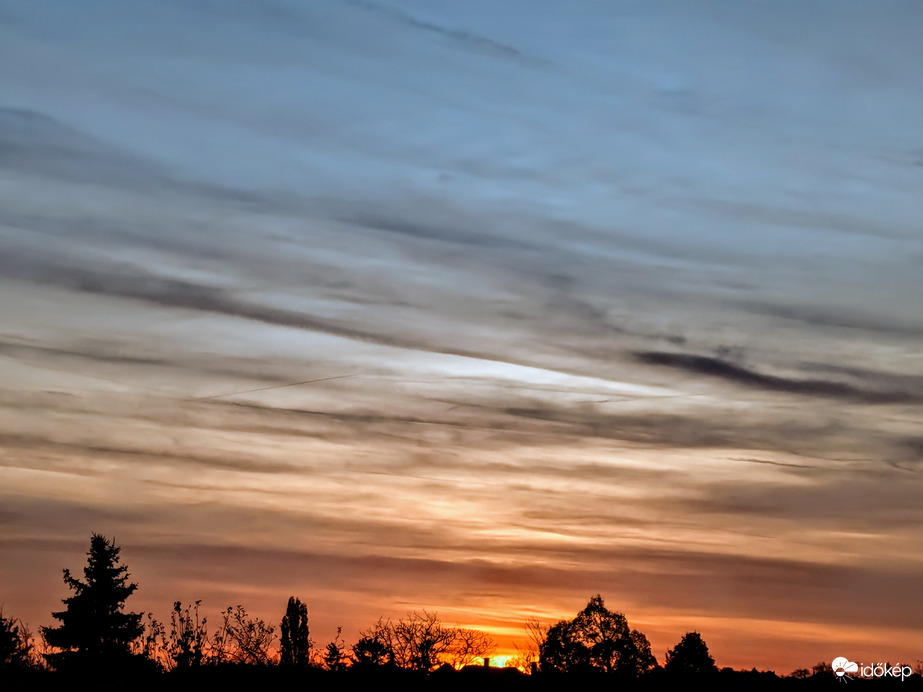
column 710, row 366
column 831, row 317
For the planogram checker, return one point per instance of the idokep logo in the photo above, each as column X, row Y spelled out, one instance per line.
column 843, row 666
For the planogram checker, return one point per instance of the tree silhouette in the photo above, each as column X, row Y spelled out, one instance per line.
column 15, row 644
column 421, row 641
column 295, row 646
column 371, row 650
column 527, row 655
column 335, row 657
column 93, row 626
column 821, row 668
column 597, row 639
column 690, row 656
column 417, row 642
column 245, row 639
column 561, row 652
column 469, row 646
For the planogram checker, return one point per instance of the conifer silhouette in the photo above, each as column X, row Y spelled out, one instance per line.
column 94, row 629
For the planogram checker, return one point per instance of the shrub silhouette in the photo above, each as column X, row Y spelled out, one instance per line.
column 15, row 644
column 187, row 646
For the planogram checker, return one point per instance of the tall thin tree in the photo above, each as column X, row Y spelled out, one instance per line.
column 295, row 647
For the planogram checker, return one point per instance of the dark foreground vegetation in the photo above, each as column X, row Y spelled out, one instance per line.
column 100, row 646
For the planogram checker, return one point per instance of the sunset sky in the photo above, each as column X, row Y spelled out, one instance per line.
column 480, row 307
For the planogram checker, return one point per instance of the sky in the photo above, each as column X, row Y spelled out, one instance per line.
column 483, row 308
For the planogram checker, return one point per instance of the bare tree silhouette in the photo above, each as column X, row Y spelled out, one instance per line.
column 527, row 654
column 246, row 639
column 468, row 646
column 416, row 642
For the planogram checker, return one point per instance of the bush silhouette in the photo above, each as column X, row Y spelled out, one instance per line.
column 15, row 646
column 188, row 643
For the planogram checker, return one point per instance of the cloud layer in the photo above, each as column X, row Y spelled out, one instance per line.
column 481, row 309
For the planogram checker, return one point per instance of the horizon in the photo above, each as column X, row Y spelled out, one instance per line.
column 482, row 309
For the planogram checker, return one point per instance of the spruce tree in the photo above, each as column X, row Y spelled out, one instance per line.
column 94, row 628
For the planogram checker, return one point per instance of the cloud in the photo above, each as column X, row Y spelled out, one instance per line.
column 857, row 501
column 138, row 284
column 91, row 352
column 706, row 582
column 69, row 456
column 458, row 235
column 839, row 318
column 530, row 255
column 39, row 144
column 731, row 372
column 464, row 39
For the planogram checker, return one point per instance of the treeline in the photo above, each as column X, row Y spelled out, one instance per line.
column 97, row 640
